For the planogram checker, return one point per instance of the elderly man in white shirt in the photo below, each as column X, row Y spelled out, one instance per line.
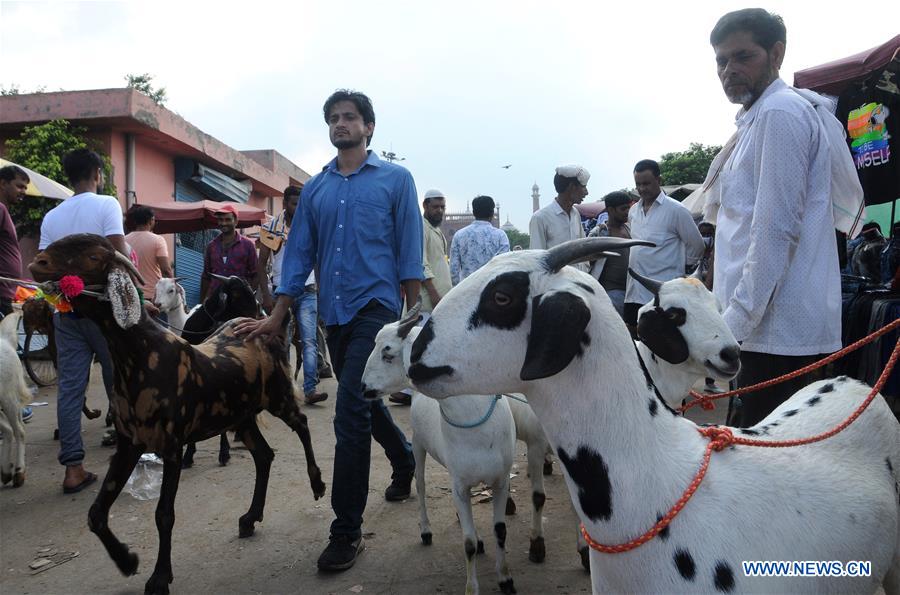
column 776, row 265
column 668, row 224
column 559, row 221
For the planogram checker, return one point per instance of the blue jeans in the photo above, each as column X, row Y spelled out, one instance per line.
column 357, row 421
column 77, row 340
column 306, row 313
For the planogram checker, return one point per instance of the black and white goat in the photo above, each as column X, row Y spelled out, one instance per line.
column 532, row 324
column 169, row 392
column 682, row 344
column 473, row 437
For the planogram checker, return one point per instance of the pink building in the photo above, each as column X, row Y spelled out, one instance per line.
column 158, row 157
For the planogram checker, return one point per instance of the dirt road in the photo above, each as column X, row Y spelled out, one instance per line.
column 281, row 557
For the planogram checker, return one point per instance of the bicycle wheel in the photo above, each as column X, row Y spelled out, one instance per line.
column 39, row 359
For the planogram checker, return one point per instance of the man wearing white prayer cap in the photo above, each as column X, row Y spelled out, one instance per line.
column 559, row 221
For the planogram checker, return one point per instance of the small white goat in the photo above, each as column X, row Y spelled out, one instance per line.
column 170, row 300
column 551, row 332
column 481, row 453
column 14, row 395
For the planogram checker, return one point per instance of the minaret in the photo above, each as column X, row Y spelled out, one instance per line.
column 535, row 198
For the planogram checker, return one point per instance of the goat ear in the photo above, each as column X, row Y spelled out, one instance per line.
column 658, row 330
column 124, row 297
column 557, row 327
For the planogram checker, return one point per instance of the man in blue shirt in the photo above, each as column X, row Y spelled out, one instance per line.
column 359, row 222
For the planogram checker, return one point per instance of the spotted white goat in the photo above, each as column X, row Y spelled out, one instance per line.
column 473, row 436
column 14, row 395
column 170, row 300
column 531, row 324
column 684, row 338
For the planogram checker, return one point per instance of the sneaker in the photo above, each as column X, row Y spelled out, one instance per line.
column 313, row 397
column 341, row 553
column 399, row 489
column 400, row 398
column 27, row 414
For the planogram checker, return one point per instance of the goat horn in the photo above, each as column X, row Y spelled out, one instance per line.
column 129, row 266
column 178, row 279
column 585, row 249
column 219, row 277
column 410, row 320
column 651, row 284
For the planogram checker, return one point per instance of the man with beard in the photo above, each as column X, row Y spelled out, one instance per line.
column 228, row 254
column 559, row 221
column 776, row 266
column 437, row 268
column 668, row 224
column 360, row 225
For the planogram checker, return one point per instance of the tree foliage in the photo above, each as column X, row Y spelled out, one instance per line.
column 687, row 167
column 144, row 84
column 517, row 238
column 42, row 148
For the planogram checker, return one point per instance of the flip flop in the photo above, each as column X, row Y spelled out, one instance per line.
column 88, row 480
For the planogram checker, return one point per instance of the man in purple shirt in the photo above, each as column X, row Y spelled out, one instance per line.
column 13, row 182
column 228, row 254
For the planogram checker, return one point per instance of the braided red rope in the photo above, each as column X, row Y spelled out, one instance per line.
column 721, row 437
column 705, row 401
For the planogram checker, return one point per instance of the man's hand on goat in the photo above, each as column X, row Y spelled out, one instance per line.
column 268, row 329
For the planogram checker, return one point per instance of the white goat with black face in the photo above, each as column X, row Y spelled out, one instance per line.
column 531, row 324
column 472, row 455
column 684, row 337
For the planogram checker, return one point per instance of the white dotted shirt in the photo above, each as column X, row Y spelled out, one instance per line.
column 776, row 264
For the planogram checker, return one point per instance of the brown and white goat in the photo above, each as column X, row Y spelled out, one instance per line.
column 169, row 392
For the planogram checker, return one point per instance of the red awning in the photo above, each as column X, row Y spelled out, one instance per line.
column 833, row 77
column 178, row 217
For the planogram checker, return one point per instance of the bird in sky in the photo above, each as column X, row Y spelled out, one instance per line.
column 506, row 166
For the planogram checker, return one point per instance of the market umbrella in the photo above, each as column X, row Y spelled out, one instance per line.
column 40, row 185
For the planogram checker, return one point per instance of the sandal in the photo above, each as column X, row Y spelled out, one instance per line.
column 89, row 478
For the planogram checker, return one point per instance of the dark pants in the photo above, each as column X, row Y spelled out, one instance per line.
column 750, row 408
column 6, row 306
column 357, row 421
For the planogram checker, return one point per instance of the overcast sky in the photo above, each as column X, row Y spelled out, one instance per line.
column 459, row 90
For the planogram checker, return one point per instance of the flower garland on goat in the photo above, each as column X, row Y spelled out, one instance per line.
column 60, row 293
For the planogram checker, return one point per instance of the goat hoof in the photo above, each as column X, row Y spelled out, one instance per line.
column 157, row 585
column 507, row 586
column 18, row 479
column 480, row 548
column 510, row 507
column 245, row 530
column 536, row 551
column 585, row 558
column 92, row 413
column 548, row 468
column 56, row 434
column 426, row 538
column 187, row 463
column 5, row 478
column 223, row 459
column 127, row 562
column 318, row 486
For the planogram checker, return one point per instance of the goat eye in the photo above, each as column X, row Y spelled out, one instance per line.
column 502, row 299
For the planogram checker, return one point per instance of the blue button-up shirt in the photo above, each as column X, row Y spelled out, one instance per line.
column 365, row 233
